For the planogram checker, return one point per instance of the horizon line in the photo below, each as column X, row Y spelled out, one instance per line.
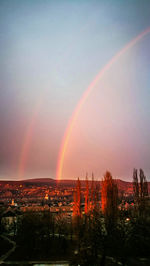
column 70, row 179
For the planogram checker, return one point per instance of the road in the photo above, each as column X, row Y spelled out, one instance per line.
column 7, row 254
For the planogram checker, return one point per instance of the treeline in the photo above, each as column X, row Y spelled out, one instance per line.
column 111, row 233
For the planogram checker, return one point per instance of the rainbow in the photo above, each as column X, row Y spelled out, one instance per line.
column 84, row 97
column 28, row 139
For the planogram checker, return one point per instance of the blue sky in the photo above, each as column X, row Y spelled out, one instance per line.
column 52, row 50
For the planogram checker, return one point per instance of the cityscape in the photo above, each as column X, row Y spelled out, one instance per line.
column 54, row 212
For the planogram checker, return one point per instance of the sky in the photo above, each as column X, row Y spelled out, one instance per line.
column 50, row 53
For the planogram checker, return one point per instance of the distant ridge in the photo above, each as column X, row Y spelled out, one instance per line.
column 122, row 185
column 38, row 180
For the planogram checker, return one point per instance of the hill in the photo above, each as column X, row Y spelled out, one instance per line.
column 122, row 185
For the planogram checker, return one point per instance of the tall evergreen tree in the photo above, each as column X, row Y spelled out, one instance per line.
column 143, row 184
column 109, row 196
column 96, row 197
column 135, row 185
column 87, row 196
column 140, row 191
column 92, row 193
column 77, row 200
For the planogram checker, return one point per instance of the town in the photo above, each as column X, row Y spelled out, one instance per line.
column 55, row 213
column 38, row 194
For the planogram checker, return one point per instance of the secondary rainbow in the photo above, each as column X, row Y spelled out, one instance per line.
column 84, row 97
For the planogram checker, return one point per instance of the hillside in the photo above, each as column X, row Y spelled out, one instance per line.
column 122, row 185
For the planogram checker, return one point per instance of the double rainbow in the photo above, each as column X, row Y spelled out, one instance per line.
column 69, row 129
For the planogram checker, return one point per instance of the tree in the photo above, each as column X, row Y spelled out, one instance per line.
column 143, row 184
column 143, row 194
column 140, row 191
column 140, row 236
column 92, row 194
column 135, row 186
column 87, row 196
column 61, row 224
column 77, row 200
column 109, row 196
column 96, row 198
